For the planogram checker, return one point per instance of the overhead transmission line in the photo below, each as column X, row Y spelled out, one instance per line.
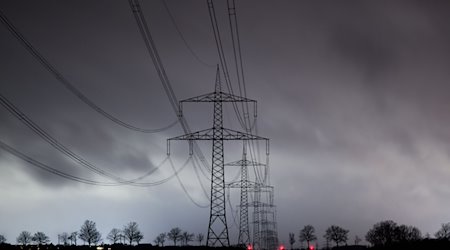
column 184, row 188
column 237, row 52
column 177, row 28
column 244, row 121
column 71, row 177
column 154, row 55
column 222, row 59
column 63, row 149
column 69, row 86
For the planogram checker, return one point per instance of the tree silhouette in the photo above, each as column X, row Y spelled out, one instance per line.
column 291, row 239
column 64, row 238
column 73, row 238
column 385, row 233
column 307, row 234
column 336, row 234
column 114, row 235
column 24, row 238
column 160, row 239
column 444, row 232
column 2, row 239
column 132, row 233
column 200, row 238
column 40, row 238
column 89, row 233
column 174, row 235
column 187, row 237
column 382, row 233
column 407, row 233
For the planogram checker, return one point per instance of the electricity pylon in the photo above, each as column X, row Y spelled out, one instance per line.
column 265, row 235
column 244, row 184
column 217, row 228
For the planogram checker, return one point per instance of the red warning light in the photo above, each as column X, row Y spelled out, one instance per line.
column 249, row 247
column 281, row 247
column 311, row 247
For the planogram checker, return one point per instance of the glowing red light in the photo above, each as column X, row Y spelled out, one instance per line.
column 311, row 247
column 249, row 247
column 281, row 247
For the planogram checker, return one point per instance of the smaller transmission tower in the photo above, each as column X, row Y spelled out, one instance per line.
column 244, row 184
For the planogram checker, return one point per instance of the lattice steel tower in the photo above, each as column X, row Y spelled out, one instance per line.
column 245, row 186
column 217, row 229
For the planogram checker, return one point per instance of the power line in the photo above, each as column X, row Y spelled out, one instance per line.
column 154, row 55
column 49, row 169
column 59, row 173
column 61, row 79
column 237, row 52
column 182, row 185
column 63, row 149
column 222, row 59
column 177, row 28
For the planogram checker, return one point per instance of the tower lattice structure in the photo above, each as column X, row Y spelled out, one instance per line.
column 245, row 185
column 217, row 228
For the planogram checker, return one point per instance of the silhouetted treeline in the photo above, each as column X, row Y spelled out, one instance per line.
column 112, row 247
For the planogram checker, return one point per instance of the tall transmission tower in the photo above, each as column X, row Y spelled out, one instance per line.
column 217, row 228
column 245, row 186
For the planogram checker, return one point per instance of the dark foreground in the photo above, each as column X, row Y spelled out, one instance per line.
column 427, row 244
column 110, row 247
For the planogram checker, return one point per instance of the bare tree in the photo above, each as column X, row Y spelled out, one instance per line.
column 407, row 233
column 89, row 233
column 307, row 234
column 24, row 238
column 160, row 239
column 200, row 238
column 2, row 239
column 187, row 237
column 174, row 235
column 40, row 238
column 114, row 235
column 336, row 234
column 291, row 239
column 444, row 232
column 73, row 238
column 132, row 233
column 65, row 238
column 382, row 233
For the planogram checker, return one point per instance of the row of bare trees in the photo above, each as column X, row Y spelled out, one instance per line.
column 384, row 233
column 129, row 234
column 177, row 235
column 88, row 234
column 333, row 233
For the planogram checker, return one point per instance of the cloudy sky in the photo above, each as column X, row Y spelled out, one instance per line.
column 354, row 95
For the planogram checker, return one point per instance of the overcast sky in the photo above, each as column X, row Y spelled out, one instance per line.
column 354, row 95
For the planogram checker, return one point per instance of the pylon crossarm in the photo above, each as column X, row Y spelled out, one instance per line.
column 220, row 97
column 237, row 184
column 229, row 134
column 206, row 134
column 244, row 163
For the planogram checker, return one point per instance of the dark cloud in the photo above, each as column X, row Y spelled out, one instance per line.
column 354, row 96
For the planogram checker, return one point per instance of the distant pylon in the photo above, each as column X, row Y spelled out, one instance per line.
column 217, row 229
column 244, row 184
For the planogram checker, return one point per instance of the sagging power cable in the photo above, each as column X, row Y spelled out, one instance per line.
column 71, row 177
column 68, row 85
column 66, row 151
column 177, row 28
